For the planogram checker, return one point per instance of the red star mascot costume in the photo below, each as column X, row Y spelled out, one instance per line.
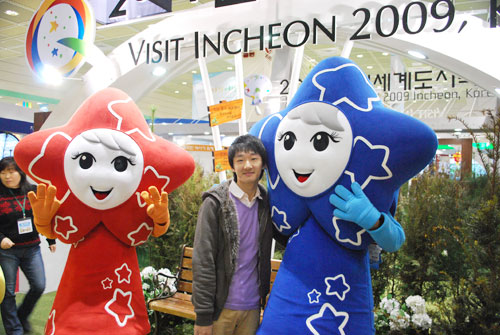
column 103, row 184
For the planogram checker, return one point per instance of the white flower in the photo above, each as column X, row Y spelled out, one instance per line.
column 444, row 253
column 165, row 272
column 170, row 281
column 145, row 286
column 148, row 271
column 398, row 320
column 416, row 303
column 389, row 305
column 422, row 320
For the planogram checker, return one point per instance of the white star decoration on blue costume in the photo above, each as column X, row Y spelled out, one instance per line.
column 351, row 101
column 321, row 315
column 313, row 296
column 380, row 167
column 335, row 284
column 279, row 223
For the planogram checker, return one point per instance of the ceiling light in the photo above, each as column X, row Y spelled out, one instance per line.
column 369, row 67
column 206, row 133
column 385, row 54
column 184, row 83
column 417, row 54
column 457, row 129
column 497, row 90
column 229, row 67
column 11, row 12
column 51, row 75
column 170, row 134
column 176, row 92
column 194, row 71
column 159, row 71
column 360, row 56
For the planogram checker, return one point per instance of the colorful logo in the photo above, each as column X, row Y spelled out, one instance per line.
column 59, row 34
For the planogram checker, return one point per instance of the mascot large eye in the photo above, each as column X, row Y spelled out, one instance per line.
column 289, row 140
column 121, row 163
column 86, row 160
column 321, row 139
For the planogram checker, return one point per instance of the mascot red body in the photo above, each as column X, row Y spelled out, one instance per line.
column 109, row 177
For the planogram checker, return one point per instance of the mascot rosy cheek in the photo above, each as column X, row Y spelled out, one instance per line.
column 109, row 177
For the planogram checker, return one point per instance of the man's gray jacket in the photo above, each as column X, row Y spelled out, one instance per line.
column 216, row 249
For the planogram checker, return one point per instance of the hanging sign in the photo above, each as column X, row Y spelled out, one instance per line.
column 199, row 147
column 224, row 112
column 220, row 3
column 221, row 161
column 111, row 11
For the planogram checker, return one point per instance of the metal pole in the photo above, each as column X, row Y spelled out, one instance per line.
column 207, row 88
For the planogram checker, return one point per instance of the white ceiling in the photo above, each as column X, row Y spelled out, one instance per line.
column 173, row 98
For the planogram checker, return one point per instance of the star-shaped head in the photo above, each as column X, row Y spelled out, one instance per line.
column 337, row 131
column 105, row 154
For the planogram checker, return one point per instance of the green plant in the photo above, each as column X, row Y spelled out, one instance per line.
column 451, row 255
column 184, row 203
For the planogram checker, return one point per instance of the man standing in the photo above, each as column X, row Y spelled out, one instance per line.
column 232, row 247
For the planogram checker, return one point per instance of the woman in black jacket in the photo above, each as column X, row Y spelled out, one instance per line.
column 19, row 247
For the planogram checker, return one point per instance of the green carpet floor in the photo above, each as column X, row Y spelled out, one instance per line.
column 40, row 314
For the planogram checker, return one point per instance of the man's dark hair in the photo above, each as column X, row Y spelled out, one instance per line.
column 9, row 162
column 247, row 143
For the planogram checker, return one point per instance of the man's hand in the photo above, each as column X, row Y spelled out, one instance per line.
column 6, row 243
column 157, row 209
column 44, row 205
column 354, row 207
column 52, row 248
column 203, row 330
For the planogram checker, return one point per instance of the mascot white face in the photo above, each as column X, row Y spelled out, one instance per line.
column 312, row 147
column 103, row 167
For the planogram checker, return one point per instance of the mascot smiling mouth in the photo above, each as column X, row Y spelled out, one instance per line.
column 302, row 177
column 100, row 195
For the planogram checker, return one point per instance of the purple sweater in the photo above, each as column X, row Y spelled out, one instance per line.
column 244, row 288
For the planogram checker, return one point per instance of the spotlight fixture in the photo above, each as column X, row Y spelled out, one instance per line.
column 11, row 12
column 159, row 71
column 417, row 54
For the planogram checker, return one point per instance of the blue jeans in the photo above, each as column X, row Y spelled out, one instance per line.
column 30, row 261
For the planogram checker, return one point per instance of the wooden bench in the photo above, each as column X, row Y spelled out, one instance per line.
column 179, row 304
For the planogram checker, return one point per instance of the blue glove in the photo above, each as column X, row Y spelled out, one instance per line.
column 354, row 207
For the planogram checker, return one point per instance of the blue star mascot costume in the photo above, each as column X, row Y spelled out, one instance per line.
column 337, row 158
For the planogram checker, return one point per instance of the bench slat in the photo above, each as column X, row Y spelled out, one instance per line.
column 186, row 275
column 187, row 263
column 174, row 306
column 183, row 286
column 188, row 252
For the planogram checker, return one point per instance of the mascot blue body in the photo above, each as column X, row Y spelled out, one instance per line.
column 335, row 131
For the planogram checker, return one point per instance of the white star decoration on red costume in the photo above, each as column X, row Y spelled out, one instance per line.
column 107, row 284
column 123, row 273
column 140, row 235
column 116, row 305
